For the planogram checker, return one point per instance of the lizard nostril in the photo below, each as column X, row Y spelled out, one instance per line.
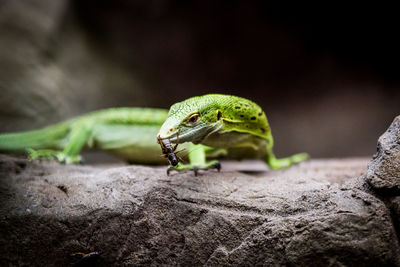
column 171, row 129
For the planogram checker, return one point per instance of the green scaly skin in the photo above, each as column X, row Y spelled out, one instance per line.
column 128, row 133
column 234, row 124
column 224, row 127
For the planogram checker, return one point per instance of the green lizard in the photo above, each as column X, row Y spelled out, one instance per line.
column 208, row 127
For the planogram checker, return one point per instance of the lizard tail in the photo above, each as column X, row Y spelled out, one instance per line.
column 48, row 137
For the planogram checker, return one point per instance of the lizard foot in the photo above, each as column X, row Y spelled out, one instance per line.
column 195, row 168
column 41, row 154
column 283, row 163
column 53, row 154
column 67, row 159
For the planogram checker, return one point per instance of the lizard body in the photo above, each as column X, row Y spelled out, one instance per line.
column 209, row 126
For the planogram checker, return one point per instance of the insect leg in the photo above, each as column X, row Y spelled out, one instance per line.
column 177, row 141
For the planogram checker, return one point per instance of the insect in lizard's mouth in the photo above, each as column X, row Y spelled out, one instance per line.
column 169, row 151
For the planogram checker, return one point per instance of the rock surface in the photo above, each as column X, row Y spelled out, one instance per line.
column 313, row 214
column 384, row 169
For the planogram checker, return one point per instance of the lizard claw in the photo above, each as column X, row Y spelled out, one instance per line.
column 196, row 170
column 217, row 166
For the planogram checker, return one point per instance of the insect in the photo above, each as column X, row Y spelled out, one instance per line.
column 169, row 151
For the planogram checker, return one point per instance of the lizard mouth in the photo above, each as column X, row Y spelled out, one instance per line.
column 194, row 134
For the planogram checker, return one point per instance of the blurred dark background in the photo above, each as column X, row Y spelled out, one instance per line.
column 327, row 74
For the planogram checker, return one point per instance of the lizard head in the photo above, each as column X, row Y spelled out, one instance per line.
column 192, row 119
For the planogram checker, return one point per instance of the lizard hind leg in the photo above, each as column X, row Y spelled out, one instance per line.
column 275, row 163
column 77, row 137
column 49, row 154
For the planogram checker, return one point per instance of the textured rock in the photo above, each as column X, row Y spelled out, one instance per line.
column 394, row 205
column 383, row 173
column 384, row 169
column 312, row 214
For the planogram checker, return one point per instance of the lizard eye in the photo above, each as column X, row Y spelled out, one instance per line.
column 194, row 118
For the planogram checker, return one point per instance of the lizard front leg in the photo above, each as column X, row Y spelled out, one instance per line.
column 197, row 161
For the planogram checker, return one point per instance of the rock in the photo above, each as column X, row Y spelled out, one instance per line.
column 312, row 214
column 384, row 169
column 383, row 173
column 395, row 210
